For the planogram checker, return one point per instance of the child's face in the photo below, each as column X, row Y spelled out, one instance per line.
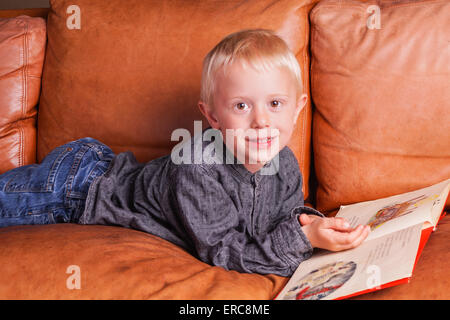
column 249, row 105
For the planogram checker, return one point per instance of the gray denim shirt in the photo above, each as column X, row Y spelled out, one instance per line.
column 219, row 212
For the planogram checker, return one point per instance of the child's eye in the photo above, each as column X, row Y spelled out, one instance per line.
column 275, row 103
column 241, row 106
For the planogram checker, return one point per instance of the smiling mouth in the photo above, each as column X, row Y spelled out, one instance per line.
column 261, row 141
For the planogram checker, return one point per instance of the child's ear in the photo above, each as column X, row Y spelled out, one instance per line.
column 301, row 103
column 207, row 111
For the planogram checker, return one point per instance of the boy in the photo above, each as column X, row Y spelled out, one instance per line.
column 236, row 214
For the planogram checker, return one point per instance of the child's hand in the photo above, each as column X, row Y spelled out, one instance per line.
column 332, row 234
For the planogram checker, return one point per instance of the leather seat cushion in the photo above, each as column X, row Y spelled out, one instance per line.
column 119, row 263
column 113, row 263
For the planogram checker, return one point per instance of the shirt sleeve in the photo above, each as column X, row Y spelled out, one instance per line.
column 211, row 220
column 293, row 199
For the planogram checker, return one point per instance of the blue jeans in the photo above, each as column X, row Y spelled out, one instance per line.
column 55, row 190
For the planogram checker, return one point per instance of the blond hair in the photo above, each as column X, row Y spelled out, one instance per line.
column 260, row 48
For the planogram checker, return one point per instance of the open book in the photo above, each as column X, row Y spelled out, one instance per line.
column 400, row 226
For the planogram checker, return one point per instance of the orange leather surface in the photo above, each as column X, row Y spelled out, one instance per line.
column 130, row 74
column 381, row 121
column 114, row 263
column 119, row 263
column 22, row 49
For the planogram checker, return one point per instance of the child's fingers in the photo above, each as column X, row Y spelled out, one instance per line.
column 304, row 219
column 344, row 240
column 361, row 238
column 307, row 219
column 339, row 224
column 354, row 238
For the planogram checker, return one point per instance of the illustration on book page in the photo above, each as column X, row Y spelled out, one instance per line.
column 321, row 282
column 394, row 211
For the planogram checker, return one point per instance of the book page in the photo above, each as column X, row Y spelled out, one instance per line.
column 393, row 213
column 331, row 275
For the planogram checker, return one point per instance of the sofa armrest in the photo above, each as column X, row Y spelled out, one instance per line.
column 22, row 48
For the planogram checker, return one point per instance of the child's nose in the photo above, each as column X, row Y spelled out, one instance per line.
column 261, row 118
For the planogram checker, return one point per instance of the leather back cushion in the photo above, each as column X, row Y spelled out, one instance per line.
column 382, row 98
column 130, row 74
column 22, row 51
column 70, row 261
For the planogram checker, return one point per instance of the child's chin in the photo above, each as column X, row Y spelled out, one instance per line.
column 256, row 157
column 260, row 159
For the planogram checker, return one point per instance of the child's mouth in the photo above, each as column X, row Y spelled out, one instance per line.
column 261, row 142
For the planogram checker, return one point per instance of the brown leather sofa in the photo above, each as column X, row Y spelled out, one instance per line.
column 128, row 73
